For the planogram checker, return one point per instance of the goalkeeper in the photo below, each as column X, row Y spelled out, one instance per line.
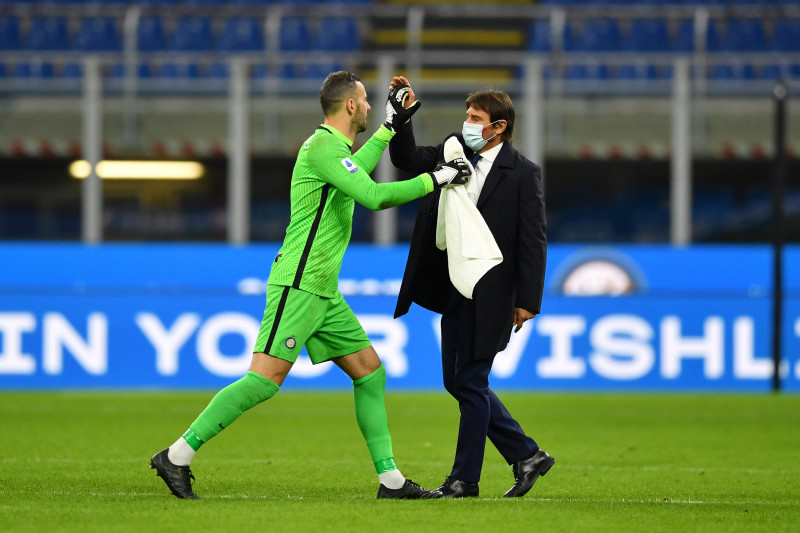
column 304, row 306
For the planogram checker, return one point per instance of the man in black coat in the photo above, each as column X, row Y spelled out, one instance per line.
column 511, row 201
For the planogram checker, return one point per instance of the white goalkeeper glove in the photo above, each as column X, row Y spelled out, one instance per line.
column 396, row 113
column 455, row 172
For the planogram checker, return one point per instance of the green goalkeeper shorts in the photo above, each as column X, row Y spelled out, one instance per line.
column 327, row 327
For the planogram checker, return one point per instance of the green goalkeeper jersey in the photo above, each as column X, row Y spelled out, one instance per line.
column 326, row 180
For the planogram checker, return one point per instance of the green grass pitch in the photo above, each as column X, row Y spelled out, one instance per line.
column 79, row 462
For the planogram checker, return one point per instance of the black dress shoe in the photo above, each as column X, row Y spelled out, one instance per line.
column 454, row 488
column 527, row 471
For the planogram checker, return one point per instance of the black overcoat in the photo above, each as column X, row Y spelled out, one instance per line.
column 512, row 204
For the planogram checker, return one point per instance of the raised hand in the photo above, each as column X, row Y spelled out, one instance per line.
column 397, row 113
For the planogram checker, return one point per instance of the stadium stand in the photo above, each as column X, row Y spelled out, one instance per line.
column 637, row 71
column 97, row 34
column 9, row 34
column 239, row 26
column 339, row 34
column 295, row 34
column 150, row 35
column 600, row 35
column 539, row 36
column 48, row 33
column 786, row 37
column 735, row 71
column 241, row 34
column 192, row 34
column 743, row 35
column 648, row 35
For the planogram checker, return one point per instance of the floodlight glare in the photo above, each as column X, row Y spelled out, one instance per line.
column 139, row 170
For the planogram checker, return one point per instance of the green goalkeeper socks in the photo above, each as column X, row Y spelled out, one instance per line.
column 368, row 393
column 228, row 405
column 252, row 389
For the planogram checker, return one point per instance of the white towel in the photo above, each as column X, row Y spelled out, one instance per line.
column 461, row 230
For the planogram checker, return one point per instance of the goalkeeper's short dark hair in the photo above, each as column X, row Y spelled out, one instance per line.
column 499, row 106
column 336, row 89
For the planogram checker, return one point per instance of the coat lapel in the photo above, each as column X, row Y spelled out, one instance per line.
column 504, row 160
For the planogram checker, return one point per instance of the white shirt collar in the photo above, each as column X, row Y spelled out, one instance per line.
column 491, row 154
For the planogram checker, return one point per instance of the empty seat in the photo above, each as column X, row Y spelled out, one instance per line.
column 637, row 71
column 739, row 71
column 743, row 35
column 241, row 34
column 260, row 71
column 587, row 72
column 34, row 70
column 179, row 70
column 72, row 71
column 648, row 35
column 150, row 35
column 757, row 3
column 9, row 34
column 339, row 34
column 98, row 34
column 600, row 35
column 192, row 34
column 291, row 71
column 48, row 33
column 294, row 34
column 321, row 70
column 118, row 70
column 775, row 71
column 684, row 40
column 786, row 37
column 219, row 71
column 539, row 36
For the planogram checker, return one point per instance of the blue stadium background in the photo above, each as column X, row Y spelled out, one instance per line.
column 142, row 312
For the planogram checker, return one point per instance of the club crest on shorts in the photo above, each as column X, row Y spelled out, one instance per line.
column 349, row 165
column 290, row 343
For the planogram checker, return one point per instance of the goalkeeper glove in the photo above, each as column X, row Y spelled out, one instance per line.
column 396, row 114
column 455, row 172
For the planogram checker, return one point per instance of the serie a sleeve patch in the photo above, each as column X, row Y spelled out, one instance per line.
column 349, row 165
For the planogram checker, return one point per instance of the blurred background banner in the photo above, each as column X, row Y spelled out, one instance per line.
column 178, row 316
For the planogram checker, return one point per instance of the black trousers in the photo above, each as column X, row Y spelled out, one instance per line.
column 482, row 413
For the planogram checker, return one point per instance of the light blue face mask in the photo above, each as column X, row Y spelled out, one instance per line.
column 473, row 135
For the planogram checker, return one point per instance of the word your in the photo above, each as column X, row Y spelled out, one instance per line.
column 621, row 347
column 91, row 351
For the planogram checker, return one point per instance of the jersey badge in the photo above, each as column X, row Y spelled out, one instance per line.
column 349, row 165
column 290, row 343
